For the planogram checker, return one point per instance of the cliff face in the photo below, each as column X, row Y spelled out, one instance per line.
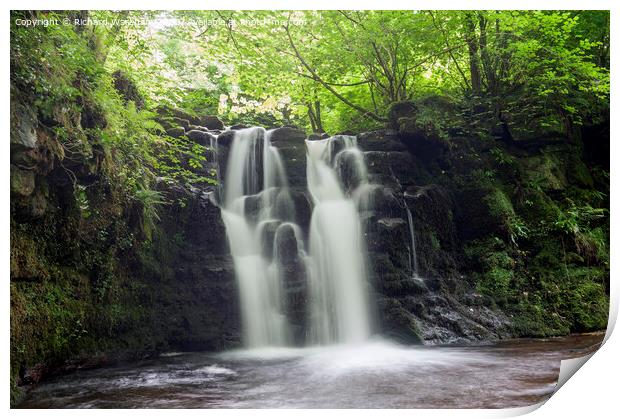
column 92, row 282
column 93, row 279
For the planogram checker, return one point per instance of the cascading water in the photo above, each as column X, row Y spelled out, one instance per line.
column 413, row 258
column 339, row 306
column 265, row 242
column 257, row 205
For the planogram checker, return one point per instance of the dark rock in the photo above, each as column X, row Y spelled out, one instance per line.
column 238, row 127
column 337, row 144
column 292, row 148
column 381, row 140
column 266, row 236
column 436, row 235
column 381, row 201
column 396, row 168
column 92, row 115
column 293, row 275
column 212, row 122
column 350, row 165
column 284, row 134
column 200, row 137
column 23, row 131
column 423, row 141
column 225, row 139
column 303, row 209
column 316, row 136
column 176, row 132
column 22, row 181
column 38, row 202
column 127, row 88
column 474, row 216
column 397, row 323
column 286, row 247
column 403, row 109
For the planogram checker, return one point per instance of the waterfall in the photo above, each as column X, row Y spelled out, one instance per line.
column 256, row 207
column 291, row 293
column 339, row 306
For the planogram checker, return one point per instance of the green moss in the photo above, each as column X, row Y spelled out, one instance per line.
column 499, row 204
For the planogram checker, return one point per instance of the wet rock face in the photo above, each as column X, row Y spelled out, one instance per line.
column 196, row 272
column 292, row 148
column 349, row 165
column 431, row 207
column 293, row 275
column 426, row 307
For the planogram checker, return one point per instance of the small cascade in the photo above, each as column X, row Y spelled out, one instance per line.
column 413, row 258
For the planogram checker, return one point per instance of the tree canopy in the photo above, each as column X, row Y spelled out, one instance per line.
column 341, row 70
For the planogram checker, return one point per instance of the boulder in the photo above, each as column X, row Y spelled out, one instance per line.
column 350, row 167
column 287, row 134
column 316, row 136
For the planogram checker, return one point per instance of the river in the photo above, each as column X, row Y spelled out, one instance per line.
column 377, row 374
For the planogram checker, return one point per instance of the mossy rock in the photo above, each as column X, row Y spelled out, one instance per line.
column 545, row 171
column 402, row 109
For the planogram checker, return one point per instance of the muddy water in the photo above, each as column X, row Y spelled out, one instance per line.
column 378, row 374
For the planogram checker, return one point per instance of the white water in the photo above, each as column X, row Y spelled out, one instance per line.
column 413, row 258
column 255, row 175
column 257, row 201
column 338, row 294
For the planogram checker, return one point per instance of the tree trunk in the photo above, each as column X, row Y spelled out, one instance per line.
column 472, row 44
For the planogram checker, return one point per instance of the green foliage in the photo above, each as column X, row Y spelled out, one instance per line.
column 340, row 70
column 149, row 200
column 495, row 268
column 502, row 158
